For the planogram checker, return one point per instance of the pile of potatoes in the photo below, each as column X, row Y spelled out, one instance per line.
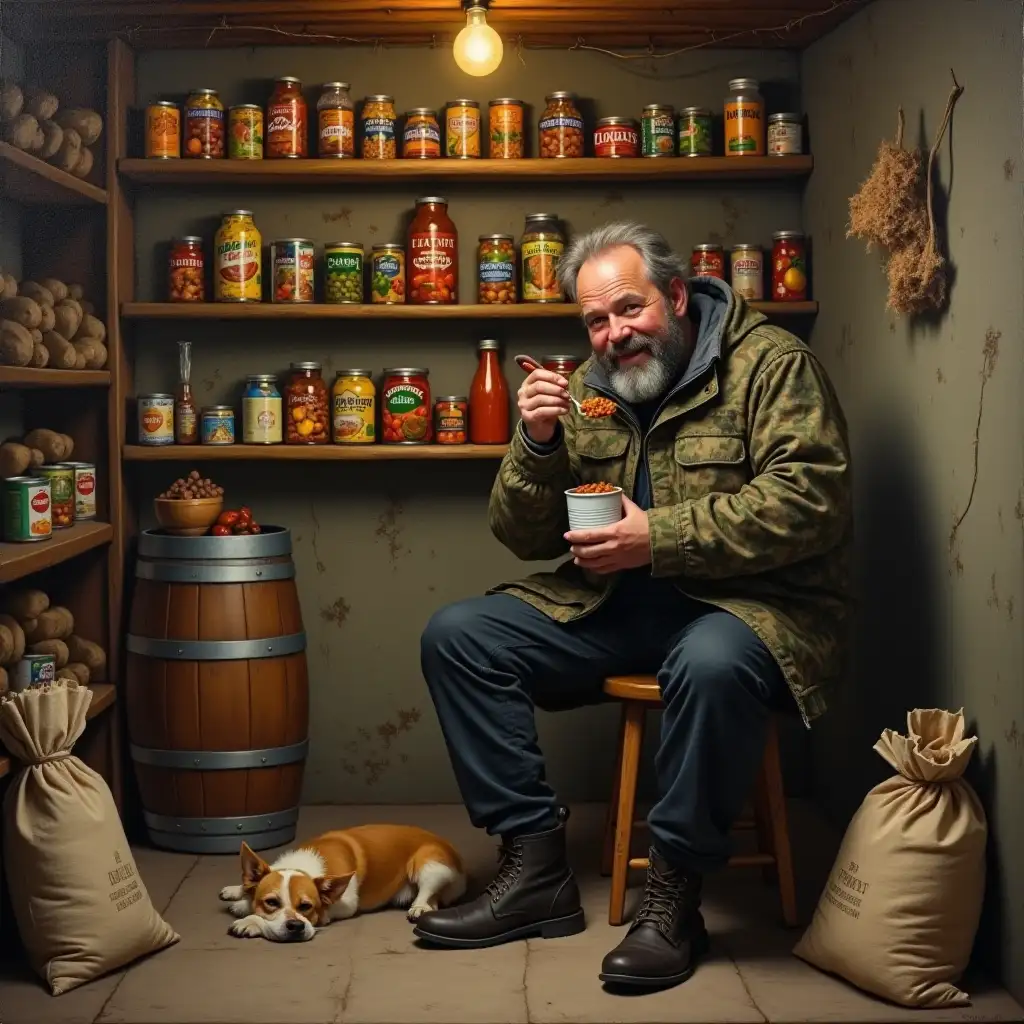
column 29, row 624
column 49, row 323
column 36, row 448
column 30, row 120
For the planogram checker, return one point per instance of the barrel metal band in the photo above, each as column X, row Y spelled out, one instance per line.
column 273, row 542
column 212, row 572
column 240, row 825
column 221, row 760
column 217, row 650
column 207, row 844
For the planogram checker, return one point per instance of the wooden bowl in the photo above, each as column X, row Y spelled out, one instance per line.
column 187, row 517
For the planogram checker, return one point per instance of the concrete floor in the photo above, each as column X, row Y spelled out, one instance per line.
column 370, row 969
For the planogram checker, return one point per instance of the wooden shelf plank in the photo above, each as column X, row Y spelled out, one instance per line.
column 310, row 453
column 103, row 697
column 189, row 172
column 19, row 560
column 29, row 377
column 26, row 179
column 324, row 311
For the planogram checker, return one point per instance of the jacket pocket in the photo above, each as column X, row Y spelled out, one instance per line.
column 603, row 454
column 710, row 463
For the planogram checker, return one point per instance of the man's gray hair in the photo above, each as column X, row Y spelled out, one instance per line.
column 661, row 262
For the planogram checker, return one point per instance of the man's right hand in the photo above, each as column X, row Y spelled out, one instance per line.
column 542, row 400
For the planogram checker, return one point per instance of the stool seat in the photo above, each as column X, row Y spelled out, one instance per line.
column 639, row 694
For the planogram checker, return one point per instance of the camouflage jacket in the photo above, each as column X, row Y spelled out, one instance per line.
column 751, row 505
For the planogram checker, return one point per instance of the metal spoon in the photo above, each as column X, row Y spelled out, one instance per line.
column 529, row 364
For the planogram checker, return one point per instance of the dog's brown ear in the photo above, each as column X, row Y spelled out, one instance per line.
column 253, row 867
column 331, row 887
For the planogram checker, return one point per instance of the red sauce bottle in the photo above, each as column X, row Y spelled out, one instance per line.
column 432, row 262
column 488, row 399
column 286, row 120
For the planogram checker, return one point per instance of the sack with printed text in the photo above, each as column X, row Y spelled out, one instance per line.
column 899, row 912
column 81, row 907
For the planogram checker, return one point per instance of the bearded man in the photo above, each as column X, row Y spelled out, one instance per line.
column 727, row 577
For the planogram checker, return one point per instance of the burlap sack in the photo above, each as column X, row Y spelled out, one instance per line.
column 899, row 912
column 81, row 907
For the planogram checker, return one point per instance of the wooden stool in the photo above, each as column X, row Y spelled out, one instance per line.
column 638, row 694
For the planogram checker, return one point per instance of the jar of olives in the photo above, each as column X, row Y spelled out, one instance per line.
column 343, row 272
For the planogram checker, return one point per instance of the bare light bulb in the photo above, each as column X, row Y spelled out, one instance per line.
column 478, row 48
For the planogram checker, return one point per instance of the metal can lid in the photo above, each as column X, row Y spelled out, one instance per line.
column 659, row 106
column 616, row 120
column 165, row 103
column 337, row 85
column 787, row 116
column 262, row 376
column 305, row 366
column 34, row 481
column 292, row 241
column 431, row 199
column 288, row 78
column 746, row 245
column 463, row 103
column 239, row 213
column 78, row 465
column 390, row 246
column 355, row 373
column 344, row 245
column 707, row 247
column 407, row 371
column 203, row 92
column 496, row 238
column 779, row 235
column 421, row 112
column 695, row 112
column 560, row 95
column 453, row 398
column 542, row 216
column 560, row 359
column 246, row 106
column 505, row 101
column 219, row 408
column 741, row 85
column 380, row 97
column 488, row 345
column 156, row 394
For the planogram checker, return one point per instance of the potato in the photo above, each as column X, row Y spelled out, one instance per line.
column 21, row 132
column 88, row 307
column 68, row 317
column 84, row 165
column 40, row 295
column 26, row 603
column 86, row 353
column 37, row 335
column 40, row 103
column 49, row 320
column 57, row 648
column 70, row 148
column 69, row 445
column 55, row 448
column 78, row 671
column 58, row 289
column 22, row 310
column 15, row 459
column 91, row 328
column 12, row 101
column 68, row 674
column 6, row 646
column 85, row 123
column 17, row 633
column 8, row 286
column 69, row 621
column 40, row 356
column 49, row 625
column 89, row 654
column 62, row 353
column 76, row 292
column 4, row 682
column 38, row 140
column 16, row 344
column 53, row 136
column 99, row 358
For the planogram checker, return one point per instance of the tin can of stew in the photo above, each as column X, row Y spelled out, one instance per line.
column 218, row 425
column 156, row 419
column 27, row 515
column 746, row 263
column 451, row 419
column 85, row 490
column 163, row 131
column 245, row 132
column 33, row 670
column 294, row 268
column 62, row 494
column 616, row 137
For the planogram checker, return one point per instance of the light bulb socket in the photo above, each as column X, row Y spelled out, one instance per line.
column 483, row 4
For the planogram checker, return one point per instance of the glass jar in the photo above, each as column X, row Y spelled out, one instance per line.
column 785, row 135
column 488, row 399
column 744, row 118
column 433, row 254
column 542, row 245
column 204, row 125
column 406, row 407
column 462, row 129
column 286, row 120
column 658, row 129
column 496, row 257
column 262, row 410
column 565, row 365
column 708, row 260
column 378, row 119
column 353, row 408
column 336, row 135
column 561, row 126
column 306, row 406
column 505, row 134
column 789, row 266
column 218, row 425
column 238, row 271
column 421, row 137
column 451, row 418
column 186, row 270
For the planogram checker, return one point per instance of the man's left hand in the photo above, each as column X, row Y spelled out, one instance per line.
column 623, row 545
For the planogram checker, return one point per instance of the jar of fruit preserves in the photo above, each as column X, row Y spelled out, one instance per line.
column 432, row 263
column 406, row 407
column 565, row 365
column 307, row 407
column 286, row 120
column 789, row 266
column 186, row 272
column 204, row 125
column 708, row 260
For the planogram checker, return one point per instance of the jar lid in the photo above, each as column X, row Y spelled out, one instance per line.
column 219, row 408
column 707, row 247
column 190, row 238
column 262, row 376
column 746, row 245
column 421, row 112
column 744, row 84
column 453, row 398
column 166, row 103
column 561, row 359
column 380, row 98
column 431, row 199
column 288, row 241
column 488, row 345
column 204, row 92
column 542, row 216
column 288, row 78
column 463, row 103
column 787, row 234
column 560, row 95
column 407, row 371
column 344, row 245
column 617, row 120
column 239, row 213
column 246, row 106
column 492, row 238
column 355, row 373
column 380, row 246
column 337, row 85
column 305, row 366
column 505, row 101
column 775, row 118
column 659, row 106
column 695, row 112
column 156, row 394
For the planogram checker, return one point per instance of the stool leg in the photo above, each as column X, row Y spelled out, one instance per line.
column 632, row 740
column 776, row 800
column 763, row 825
column 608, row 853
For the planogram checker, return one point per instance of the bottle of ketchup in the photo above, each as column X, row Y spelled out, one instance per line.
column 488, row 399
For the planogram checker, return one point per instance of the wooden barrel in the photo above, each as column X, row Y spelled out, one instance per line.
column 218, row 691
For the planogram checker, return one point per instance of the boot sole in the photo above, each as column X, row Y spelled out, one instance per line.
column 700, row 949
column 555, row 928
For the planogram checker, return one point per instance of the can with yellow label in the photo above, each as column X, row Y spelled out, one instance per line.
column 354, row 408
column 238, row 272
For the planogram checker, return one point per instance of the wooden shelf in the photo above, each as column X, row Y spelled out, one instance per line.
column 189, row 171
column 26, row 179
column 325, row 311
column 29, row 377
column 310, row 453
column 103, row 697
column 18, row 560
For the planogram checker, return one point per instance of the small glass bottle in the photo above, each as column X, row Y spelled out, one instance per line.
column 186, row 423
column 488, row 399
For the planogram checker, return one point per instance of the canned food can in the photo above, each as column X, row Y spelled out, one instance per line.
column 695, row 135
column 343, row 272
column 658, row 130
column 785, row 135
column 218, row 425
column 27, row 514
column 462, row 129
column 33, row 670
column 293, row 261
column 262, row 410
column 85, row 490
column 387, row 272
column 163, row 131
column 156, row 419
column 747, row 269
column 245, row 132
column 708, row 260
column 616, row 137
column 62, row 494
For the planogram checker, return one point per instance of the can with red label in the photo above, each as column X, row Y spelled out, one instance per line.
column 156, row 419
column 27, row 509
column 708, row 260
column 85, row 489
column 616, row 137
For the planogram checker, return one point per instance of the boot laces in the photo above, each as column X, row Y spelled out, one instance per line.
column 663, row 899
column 510, row 856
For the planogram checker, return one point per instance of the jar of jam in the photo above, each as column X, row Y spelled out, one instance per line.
column 406, row 407
column 561, row 126
column 708, row 260
column 204, row 125
column 565, row 365
column 421, row 139
column 336, row 133
column 286, row 120
column 307, row 411
column 451, row 415
column 789, row 266
column 616, row 137
column 186, row 270
column 542, row 245
column 496, row 258
column 432, row 262
column 378, row 120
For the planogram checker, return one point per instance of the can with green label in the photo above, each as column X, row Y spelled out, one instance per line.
column 695, row 132
column 658, row 130
column 343, row 272
column 27, row 509
column 62, row 494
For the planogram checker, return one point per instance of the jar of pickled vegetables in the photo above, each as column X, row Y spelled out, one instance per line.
column 561, row 126
column 378, row 120
column 497, row 273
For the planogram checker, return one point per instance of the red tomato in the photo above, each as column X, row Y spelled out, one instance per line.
column 220, row 530
column 255, row 528
column 228, row 518
column 244, row 514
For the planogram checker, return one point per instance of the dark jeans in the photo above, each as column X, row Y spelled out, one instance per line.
column 489, row 660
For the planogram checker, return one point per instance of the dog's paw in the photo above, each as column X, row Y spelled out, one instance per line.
column 230, row 893
column 417, row 909
column 246, row 928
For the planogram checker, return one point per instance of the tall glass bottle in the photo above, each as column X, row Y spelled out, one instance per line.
column 488, row 399
column 186, row 424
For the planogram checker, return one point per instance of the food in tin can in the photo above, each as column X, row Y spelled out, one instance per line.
column 186, row 270
column 497, row 269
column 245, row 132
column 708, row 260
column 747, row 271
column 695, row 132
column 156, row 419
column 451, row 419
column 238, row 246
column 744, row 119
column 336, row 121
column 62, row 494
column 658, row 130
column 462, row 128
column 294, row 263
column 33, row 670
column 343, row 272
column 27, row 514
column 561, row 126
column 163, row 131
column 421, row 138
column 204, row 125
column 262, row 410
column 616, row 137
column 353, row 408
column 789, row 266
column 406, row 407
column 286, row 120
column 505, row 129
column 378, row 120
column 85, row 489
column 542, row 245
column 387, row 272
column 307, row 415
column 217, row 425
column 785, row 135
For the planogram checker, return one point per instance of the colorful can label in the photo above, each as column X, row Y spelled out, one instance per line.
column 343, row 272
column 294, row 268
column 85, row 489
column 462, row 130
column 163, row 131
column 695, row 135
column 658, row 132
column 785, row 138
column 218, row 425
column 156, row 419
column 387, row 275
column 744, row 128
column 245, row 132
column 238, row 276
column 262, row 420
column 337, row 132
column 354, row 411
column 62, row 494
column 33, row 670
column 747, row 267
column 27, row 509
column 540, row 263
column 407, row 414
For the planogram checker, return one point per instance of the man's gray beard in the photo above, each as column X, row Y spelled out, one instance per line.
column 669, row 353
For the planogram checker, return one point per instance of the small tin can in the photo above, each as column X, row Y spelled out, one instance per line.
column 85, row 490
column 695, row 132
column 245, row 132
column 217, row 425
column 62, row 494
column 462, row 129
column 353, row 408
column 451, row 419
column 616, row 137
column 785, row 135
column 708, row 260
column 343, row 272
column 27, row 515
column 262, row 414
column 156, row 419
column 747, row 270
column 421, row 137
column 294, row 268
column 658, row 130
column 163, row 131
column 387, row 272
column 33, row 670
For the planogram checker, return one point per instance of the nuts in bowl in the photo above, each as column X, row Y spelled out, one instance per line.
column 190, row 506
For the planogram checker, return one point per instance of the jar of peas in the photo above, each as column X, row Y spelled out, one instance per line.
column 343, row 272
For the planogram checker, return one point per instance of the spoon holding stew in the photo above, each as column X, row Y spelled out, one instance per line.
column 592, row 408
